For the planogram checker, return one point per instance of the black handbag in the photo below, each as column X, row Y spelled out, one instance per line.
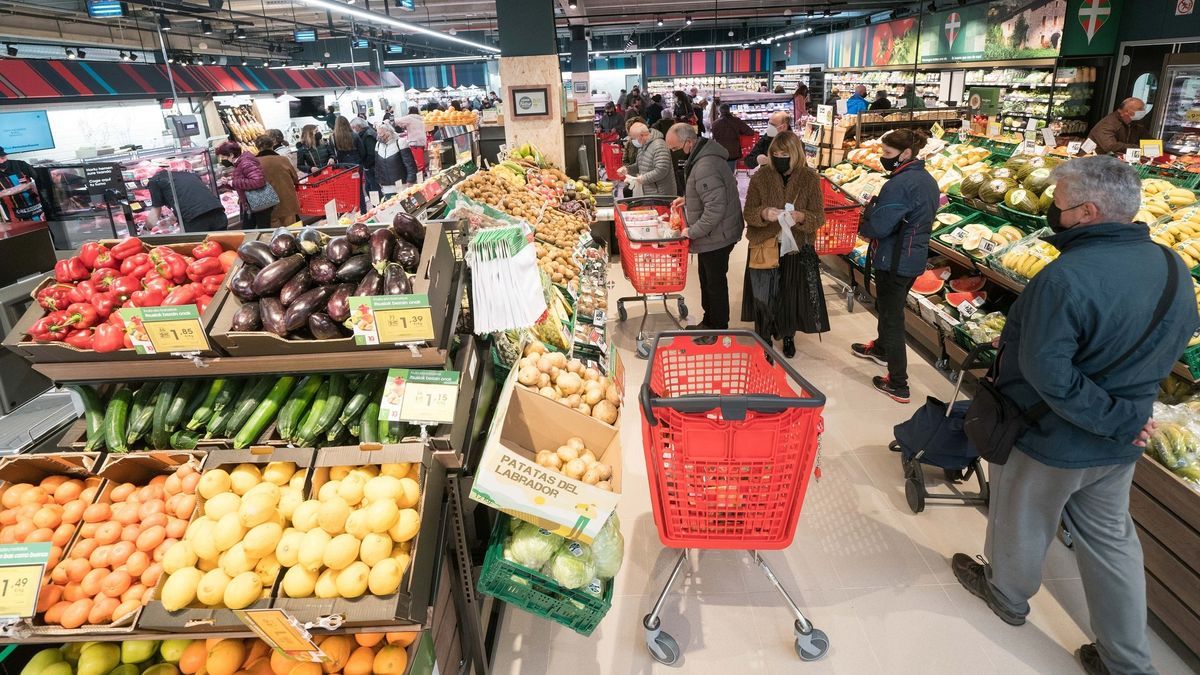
column 994, row 422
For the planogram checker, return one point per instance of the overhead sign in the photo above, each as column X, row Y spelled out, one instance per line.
column 957, row 35
column 105, row 9
column 307, row 35
column 884, row 44
column 1091, row 27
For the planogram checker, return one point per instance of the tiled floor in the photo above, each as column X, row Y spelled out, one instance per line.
column 865, row 569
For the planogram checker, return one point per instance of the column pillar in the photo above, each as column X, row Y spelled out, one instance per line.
column 529, row 60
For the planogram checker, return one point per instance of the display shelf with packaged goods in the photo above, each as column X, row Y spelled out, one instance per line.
column 755, row 108
column 705, row 84
column 1178, row 117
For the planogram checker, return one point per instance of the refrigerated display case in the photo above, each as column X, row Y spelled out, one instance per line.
column 1178, row 117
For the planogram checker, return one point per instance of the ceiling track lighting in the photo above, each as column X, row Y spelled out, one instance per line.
column 206, row 27
column 70, row 53
column 123, row 56
column 687, row 19
column 658, row 21
column 239, row 34
column 382, row 19
column 12, row 51
column 164, row 24
column 132, row 56
column 82, row 54
column 573, row 4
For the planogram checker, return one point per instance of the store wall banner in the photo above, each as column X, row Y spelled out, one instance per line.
column 885, row 44
column 959, row 34
column 715, row 62
column 442, row 76
column 1092, row 27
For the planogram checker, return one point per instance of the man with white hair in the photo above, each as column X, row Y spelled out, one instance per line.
column 1085, row 347
column 1117, row 131
column 777, row 122
column 367, row 133
column 652, row 173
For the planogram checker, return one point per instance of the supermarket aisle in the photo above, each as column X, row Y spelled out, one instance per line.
column 867, row 570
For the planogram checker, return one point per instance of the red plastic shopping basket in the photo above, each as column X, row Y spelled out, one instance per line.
column 730, row 432
column 839, row 234
column 611, row 154
column 341, row 184
column 746, row 144
column 653, row 266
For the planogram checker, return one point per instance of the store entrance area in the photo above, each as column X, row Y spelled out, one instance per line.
column 873, row 575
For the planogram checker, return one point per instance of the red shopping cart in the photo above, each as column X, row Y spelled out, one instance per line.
column 611, row 154
column 731, row 434
column 341, row 184
column 655, row 266
column 745, row 144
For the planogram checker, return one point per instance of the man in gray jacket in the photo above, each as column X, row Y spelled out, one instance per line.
column 713, row 213
column 652, row 172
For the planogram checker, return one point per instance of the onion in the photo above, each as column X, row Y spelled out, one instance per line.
column 574, row 469
column 528, row 375
column 566, row 453
column 606, row 412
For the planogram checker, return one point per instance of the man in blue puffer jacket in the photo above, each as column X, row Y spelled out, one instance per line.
column 898, row 223
column 1077, row 340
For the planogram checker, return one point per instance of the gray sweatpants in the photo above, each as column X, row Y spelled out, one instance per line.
column 1028, row 500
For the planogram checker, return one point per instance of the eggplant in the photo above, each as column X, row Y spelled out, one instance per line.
column 407, row 255
column 241, row 284
column 358, row 234
column 322, row 269
column 271, row 278
column 323, row 327
column 372, row 284
column 283, row 243
column 311, row 241
column 338, row 307
column 271, row 312
column 246, row 318
column 383, row 245
column 408, row 228
column 355, row 268
column 395, row 280
column 256, row 253
column 301, row 281
column 312, row 300
column 338, row 250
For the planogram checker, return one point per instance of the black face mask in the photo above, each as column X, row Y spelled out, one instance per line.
column 226, row 163
column 1054, row 217
column 890, row 163
column 782, row 164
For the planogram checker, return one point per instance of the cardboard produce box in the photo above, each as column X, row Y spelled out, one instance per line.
column 510, row 479
column 410, row 603
column 61, row 352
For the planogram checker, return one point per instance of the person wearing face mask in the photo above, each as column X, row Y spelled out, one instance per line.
column 612, row 122
column 1085, row 346
column 713, row 213
column 898, row 223
column 778, row 122
column 246, row 175
column 652, row 172
column 1117, row 132
column 728, row 131
column 782, row 293
column 858, row 102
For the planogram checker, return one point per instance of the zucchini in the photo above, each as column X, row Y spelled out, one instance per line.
column 335, row 432
column 368, row 423
column 247, row 404
column 228, row 395
column 93, row 413
column 363, row 392
column 160, row 437
column 184, row 439
column 384, row 428
column 338, row 388
column 264, row 413
column 116, row 418
column 205, row 409
column 142, row 412
column 307, row 432
column 292, row 412
column 180, row 403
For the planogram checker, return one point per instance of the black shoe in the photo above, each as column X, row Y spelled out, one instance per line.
column 973, row 577
column 1089, row 658
column 868, row 351
column 789, row 347
column 897, row 394
column 697, row 326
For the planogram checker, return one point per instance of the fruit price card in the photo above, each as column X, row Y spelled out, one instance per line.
column 419, row 396
column 21, row 570
column 383, row 319
column 283, row 632
column 165, row 330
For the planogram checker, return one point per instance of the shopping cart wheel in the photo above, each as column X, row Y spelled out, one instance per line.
column 914, row 489
column 621, row 313
column 643, row 348
column 663, row 647
column 683, row 312
column 812, row 645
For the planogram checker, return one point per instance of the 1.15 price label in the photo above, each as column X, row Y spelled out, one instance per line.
column 419, row 396
column 165, row 330
column 384, row 319
column 22, row 567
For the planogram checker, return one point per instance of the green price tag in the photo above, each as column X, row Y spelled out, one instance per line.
column 22, row 567
column 419, row 396
column 165, row 330
column 383, row 319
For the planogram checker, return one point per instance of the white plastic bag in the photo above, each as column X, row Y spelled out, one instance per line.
column 787, row 242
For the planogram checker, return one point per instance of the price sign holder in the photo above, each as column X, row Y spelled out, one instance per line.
column 988, row 246
column 1088, row 146
column 22, row 567
column 937, row 131
column 422, row 397
column 1073, row 147
column 284, row 633
column 1151, row 148
column 165, row 330
column 396, row 319
column 967, row 309
column 1048, row 137
column 958, row 234
column 1133, row 155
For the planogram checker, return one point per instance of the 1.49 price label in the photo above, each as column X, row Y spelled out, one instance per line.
column 165, row 330
column 419, row 396
column 384, row 319
column 21, row 569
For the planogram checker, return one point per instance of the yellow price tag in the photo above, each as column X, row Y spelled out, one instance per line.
column 419, row 396
column 19, row 587
column 429, row 402
column 282, row 632
column 414, row 324
column 165, row 330
column 177, row 336
column 937, row 130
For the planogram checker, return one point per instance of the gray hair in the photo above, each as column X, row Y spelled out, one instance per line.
column 684, row 132
column 358, row 124
column 385, row 132
column 1112, row 185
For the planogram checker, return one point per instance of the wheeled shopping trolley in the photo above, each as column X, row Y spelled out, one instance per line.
column 654, row 257
column 731, row 434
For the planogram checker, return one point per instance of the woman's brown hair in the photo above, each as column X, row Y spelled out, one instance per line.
column 343, row 137
column 906, row 139
column 788, row 142
column 264, row 143
column 308, row 135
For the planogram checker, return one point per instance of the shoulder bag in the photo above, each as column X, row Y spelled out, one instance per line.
column 261, row 199
column 994, row 422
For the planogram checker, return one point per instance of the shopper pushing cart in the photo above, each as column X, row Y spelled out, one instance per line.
column 731, row 434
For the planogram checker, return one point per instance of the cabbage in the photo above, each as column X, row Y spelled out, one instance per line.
column 531, row 546
column 572, row 565
column 608, row 548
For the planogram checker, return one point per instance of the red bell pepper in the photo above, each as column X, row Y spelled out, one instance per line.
column 211, row 283
column 128, row 247
column 228, row 258
column 181, row 295
column 208, row 249
column 83, row 291
column 89, row 251
column 81, row 339
column 70, row 269
column 203, row 267
column 50, row 328
column 159, row 284
column 125, row 286
column 136, row 265
column 103, row 278
column 82, row 315
column 105, row 303
column 170, row 265
column 54, row 297
column 147, row 298
column 109, row 337
column 202, row 303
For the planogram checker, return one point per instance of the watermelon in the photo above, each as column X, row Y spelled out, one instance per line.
column 971, row 184
column 994, row 190
column 1037, row 180
column 1020, row 199
column 928, row 283
column 957, row 298
column 967, row 284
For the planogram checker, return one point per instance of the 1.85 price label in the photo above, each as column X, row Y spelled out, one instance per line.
column 383, row 319
column 165, row 330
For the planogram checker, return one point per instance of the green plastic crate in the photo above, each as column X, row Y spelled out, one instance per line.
column 1183, row 179
column 1024, row 221
column 962, row 339
column 536, row 593
column 1191, row 357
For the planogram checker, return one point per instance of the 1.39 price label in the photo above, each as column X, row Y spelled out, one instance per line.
column 165, row 330
column 384, row 319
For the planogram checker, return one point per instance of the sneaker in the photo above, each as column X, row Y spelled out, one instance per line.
column 868, row 351
column 789, row 347
column 897, row 394
column 1089, row 658
column 973, row 577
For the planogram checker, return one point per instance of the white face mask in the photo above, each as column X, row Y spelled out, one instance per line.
column 1139, row 115
column 637, row 143
column 772, row 132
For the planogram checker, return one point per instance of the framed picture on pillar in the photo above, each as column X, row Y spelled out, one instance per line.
column 530, row 101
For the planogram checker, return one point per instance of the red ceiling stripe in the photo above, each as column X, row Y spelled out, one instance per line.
column 132, row 74
column 67, row 75
column 25, row 79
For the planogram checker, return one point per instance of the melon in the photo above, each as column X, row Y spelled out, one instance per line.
column 928, row 283
column 971, row 241
column 967, row 284
column 1010, row 233
column 971, row 184
column 1046, row 200
column 1004, row 172
column 994, row 190
column 1015, row 162
column 957, row 298
column 1020, row 199
column 1037, row 180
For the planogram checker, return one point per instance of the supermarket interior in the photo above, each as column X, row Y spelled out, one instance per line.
column 541, row 336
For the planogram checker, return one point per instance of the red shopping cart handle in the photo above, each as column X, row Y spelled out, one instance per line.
column 732, row 407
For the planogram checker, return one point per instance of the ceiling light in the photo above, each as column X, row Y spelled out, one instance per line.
column 326, row 54
column 730, row 33
column 573, row 4
column 132, row 56
column 212, row 60
column 245, row 62
column 123, row 56
column 164, row 23
column 12, row 51
column 382, row 19
column 658, row 22
column 687, row 19
column 82, row 54
column 70, row 53
column 170, row 59
column 239, row 34
column 206, row 28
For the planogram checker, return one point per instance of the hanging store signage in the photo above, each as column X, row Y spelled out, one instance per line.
column 714, row 62
column 885, row 44
column 957, row 35
column 1091, row 27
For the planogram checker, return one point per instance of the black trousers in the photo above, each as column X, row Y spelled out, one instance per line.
column 211, row 221
column 890, row 293
column 713, row 267
column 410, row 165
